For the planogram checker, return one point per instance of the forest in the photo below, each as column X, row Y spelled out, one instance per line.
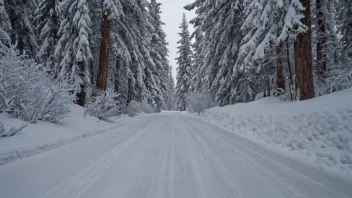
column 248, row 49
column 111, row 56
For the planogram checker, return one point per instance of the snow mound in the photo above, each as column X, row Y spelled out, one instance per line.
column 317, row 130
column 44, row 136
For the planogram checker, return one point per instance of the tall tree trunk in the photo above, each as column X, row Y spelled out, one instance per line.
column 91, row 71
column 280, row 81
column 117, row 75
column 81, row 97
column 321, row 40
column 290, row 69
column 303, row 57
column 129, row 94
column 102, row 78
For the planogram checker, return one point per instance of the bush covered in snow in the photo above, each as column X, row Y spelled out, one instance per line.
column 10, row 131
column 135, row 108
column 104, row 105
column 339, row 79
column 198, row 102
column 28, row 92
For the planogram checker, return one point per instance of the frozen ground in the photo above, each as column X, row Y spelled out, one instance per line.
column 317, row 131
column 167, row 155
column 40, row 137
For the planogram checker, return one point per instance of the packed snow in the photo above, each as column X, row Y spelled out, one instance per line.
column 44, row 136
column 166, row 155
column 319, row 131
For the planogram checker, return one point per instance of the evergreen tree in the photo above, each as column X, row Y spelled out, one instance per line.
column 73, row 51
column 170, row 103
column 184, row 70
column 5, row 25
column 159, row 51
column 23, row 31
column 48, row 24
column 344, row 16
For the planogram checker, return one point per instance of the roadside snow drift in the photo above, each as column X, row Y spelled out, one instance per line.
column 319, row 130
column 44, row 136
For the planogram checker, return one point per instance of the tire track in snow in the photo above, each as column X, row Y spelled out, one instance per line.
column 289, row 186
column 81, row 181
column 228, row 188
column 144, row 177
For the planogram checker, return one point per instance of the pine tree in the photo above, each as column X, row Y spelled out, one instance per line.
column 48, row 24
column 73, row 51
column 344, row 16
column 170, row 103
column 5, row 25
column 23, row 31
column 159, row 52
column 184, row 70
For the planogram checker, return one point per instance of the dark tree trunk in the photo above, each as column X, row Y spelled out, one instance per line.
column 129, row 94
column 102, row 78
column 290, row 69
column 117, row 75
column 81, row 97
column 321, row 40
column 303, row 57
column 280, row 81
column 91, row 71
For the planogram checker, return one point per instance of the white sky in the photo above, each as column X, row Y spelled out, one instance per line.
column 172, row 11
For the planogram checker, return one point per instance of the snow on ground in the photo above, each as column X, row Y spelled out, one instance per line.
column 166, row 155
column 318, row 130
column 44, row 136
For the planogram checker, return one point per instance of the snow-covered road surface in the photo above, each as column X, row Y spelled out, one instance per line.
column 166, row 156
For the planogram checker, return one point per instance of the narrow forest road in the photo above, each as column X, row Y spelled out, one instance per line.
column 166, row 156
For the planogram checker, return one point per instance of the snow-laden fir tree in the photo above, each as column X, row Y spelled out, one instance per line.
column 72, row 52
column 5, row 25
column 48, row 23
column 217, row 31
column 267, row 24
column 339, row 75
column 159, row 51
column 184, row 66
column 20, row 13
column 170, row 102
column 198, row 81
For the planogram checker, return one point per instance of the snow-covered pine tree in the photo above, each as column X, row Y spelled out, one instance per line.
column 326, row 37
column 5, row 25
column 219, row 25
column 198, row 82
column 339, row 75
column 20, row 13
column 344, row 16
column 72, row 52
column 48, row 23
column 96, row 14
column 170, row 103
column 268, row 24
column 159, row 51
column 184, row 70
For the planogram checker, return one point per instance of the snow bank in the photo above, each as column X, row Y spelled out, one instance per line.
column 317, row 130
column 43, row 136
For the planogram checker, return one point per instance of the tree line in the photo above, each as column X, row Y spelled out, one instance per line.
column 246, row 49
column 100, row 48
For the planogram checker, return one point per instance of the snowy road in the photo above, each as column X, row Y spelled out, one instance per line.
column 166, row 156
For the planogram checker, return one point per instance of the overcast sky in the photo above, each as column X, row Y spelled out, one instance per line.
column 172, row 11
